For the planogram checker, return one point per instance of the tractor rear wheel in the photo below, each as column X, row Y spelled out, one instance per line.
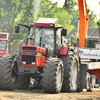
column 71, row 72
column 52, row 75
column 6, row 81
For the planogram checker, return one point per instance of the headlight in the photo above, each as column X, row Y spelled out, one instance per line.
column 23, row 62
column 33, row 63
column 40, row 54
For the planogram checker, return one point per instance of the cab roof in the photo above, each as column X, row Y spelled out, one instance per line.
column 47, row 22
column 4, row 36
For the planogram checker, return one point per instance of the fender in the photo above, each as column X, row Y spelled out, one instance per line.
column 64, row 50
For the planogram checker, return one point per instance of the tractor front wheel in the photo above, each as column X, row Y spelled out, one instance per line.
column 52, row 75
column 6, row 80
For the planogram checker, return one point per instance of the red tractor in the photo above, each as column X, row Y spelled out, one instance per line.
column 4, row 40
column 44, row 58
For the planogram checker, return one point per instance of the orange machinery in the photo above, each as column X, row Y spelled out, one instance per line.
column 90, row 55
column 83, row 22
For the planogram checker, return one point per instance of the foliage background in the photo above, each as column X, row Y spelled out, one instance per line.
column 13, row 12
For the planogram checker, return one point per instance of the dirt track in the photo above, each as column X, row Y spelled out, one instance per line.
column 39, row 95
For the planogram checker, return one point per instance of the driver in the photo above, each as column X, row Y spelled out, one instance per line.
column 45, row 39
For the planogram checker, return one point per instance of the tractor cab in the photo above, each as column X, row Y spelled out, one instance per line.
column 4, row 43
column 45, row 34
column 44, row 37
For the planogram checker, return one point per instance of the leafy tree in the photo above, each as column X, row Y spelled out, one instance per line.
column 69, row 5
column 64, row 19
column 47, row 9
column 26, row 14
column 9, row 9
column 92, row 19
column 24, row 17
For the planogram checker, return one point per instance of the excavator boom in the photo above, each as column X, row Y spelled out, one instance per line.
column 83, row 22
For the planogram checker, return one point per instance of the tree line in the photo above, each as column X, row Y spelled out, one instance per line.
column 13, row 12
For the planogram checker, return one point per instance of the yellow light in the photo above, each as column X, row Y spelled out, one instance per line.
column 0, row 30
column 58, row 48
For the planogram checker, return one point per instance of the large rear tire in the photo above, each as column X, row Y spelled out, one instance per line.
column 52, row 75
column 71, row 72
column 6, row 82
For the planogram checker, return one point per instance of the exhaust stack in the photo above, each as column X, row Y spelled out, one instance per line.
column 34, row 33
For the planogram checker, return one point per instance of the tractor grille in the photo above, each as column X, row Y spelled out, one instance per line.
column 29, row 48
column 26, row 59
column 27, row 52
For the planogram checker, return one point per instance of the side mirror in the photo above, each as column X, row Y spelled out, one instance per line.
column 16, row 29
column 64, row 32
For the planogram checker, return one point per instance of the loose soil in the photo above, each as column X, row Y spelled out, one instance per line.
column 37, row 94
